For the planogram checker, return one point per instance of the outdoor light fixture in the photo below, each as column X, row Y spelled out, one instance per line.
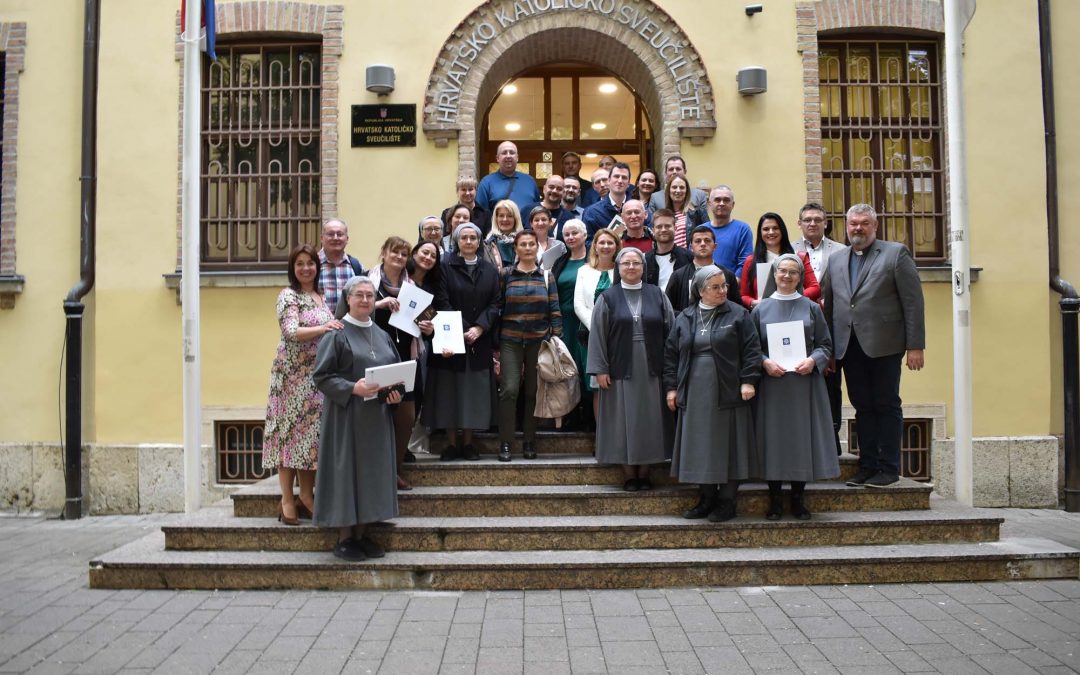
column 598, row 126
column 380, row 79
column 510, row 89
column 608, row 88
column 513, row 126
column 752, row 80
column 751, row 10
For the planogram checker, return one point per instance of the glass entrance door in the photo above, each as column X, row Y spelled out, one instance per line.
column 549, row 110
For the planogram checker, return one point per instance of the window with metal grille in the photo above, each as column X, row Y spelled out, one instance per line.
column 914, row 447
column 239, row 447
column 261, row 167
column 881, row 139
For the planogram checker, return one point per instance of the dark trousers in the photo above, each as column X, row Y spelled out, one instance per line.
column 873, row 385
column 832, row 385
column 518, row 363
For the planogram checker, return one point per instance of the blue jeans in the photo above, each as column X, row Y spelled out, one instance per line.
column 873, row 386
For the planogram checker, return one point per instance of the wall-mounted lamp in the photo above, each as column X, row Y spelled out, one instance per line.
column 380, row 79
column 751, row 10
column 752, row 80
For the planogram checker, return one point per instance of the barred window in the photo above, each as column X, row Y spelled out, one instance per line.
column 261, row 162
column 881, row 139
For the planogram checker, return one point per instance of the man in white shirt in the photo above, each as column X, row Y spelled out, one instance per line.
column 812, row 224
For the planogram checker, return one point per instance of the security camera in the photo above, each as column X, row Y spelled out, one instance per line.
column 751, row 10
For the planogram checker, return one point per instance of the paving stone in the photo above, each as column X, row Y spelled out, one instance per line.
column 620, row 655
column 431, row 609
column 411, row 663
column 671, row 639
column 702, row 618
column 587, row 660
column 848, row 651
column 461, row 650
column 623, row 628
column 552, row 649
column 369, row 650
column 543, row 614
column 616, row 603
column 417, row 643
column 547, row 667
column 551, row 598
column 1003, row 664
column 582, row 637
column 814, row 627
column 909, row 662
column 722, row 659
column 545, row 630
column 501, row 633
column 684, row 663
column 466, row 630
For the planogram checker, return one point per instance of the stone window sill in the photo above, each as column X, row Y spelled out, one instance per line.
column 231, row 280
column 11, row 286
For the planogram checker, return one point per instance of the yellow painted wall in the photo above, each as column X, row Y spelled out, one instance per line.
column 47, row 225
column 134, row 360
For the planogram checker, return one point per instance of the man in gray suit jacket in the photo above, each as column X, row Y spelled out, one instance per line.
column 874, row 306
column 819, row 248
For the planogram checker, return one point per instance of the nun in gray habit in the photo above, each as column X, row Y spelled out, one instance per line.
column 630, row 321
column 794, row 421
column 712, row 364
column 357, row 477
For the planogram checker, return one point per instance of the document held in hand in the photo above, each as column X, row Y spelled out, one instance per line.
column 448, row 333
column 787, row 343
column 412, row 300
column 395, row 373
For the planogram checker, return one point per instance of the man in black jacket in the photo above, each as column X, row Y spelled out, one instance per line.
column 665, row 258
column 702, row 245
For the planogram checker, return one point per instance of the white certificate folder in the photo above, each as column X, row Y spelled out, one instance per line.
column 448, row 333
column 395, row 373
column 787, row 343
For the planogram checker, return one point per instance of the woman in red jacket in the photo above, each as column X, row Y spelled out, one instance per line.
column 772, row 242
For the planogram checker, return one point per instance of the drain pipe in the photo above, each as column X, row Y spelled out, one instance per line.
column 73, row 306
column 1070, row 300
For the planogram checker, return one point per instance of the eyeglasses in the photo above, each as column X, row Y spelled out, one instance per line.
column 336, row 235
column 780, row 272
column 433, row 228
column 629, row 264
column 715, row 287
column 814, row 220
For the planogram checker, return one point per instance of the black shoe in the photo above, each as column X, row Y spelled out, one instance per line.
column 349, row 549
column 861, row 476
column 723, row 511
column 504, row 452
column 451, row 453
column 631, row 485
column 527, row 450
column 410, row 458
column 370, row 548
column 704, row 506
column 644, row 484
column 470, row 453
column 798, row 508
column 776, row 508
column 882, row 479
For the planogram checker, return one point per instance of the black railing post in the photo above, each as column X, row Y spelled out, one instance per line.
column 73, row 432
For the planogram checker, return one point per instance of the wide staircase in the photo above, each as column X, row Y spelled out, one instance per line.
column 562, row 521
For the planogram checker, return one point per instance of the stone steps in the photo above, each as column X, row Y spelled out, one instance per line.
column 218, row 530
column 261, row 500
column 547, row 469
column 147, row 564
column 562, row 521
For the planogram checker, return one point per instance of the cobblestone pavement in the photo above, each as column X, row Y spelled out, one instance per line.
column 50, row 622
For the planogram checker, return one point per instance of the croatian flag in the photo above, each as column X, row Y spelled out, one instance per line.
column 208, row 38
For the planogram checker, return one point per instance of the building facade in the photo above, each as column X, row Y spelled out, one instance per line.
column 853, row 111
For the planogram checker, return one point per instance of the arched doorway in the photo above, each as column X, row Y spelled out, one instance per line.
column 500, row 39
column 554, row 108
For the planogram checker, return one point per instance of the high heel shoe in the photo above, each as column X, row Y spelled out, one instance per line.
column 283, row 519
column 302, row 511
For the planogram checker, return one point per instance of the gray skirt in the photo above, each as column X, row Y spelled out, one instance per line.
column 712, row 445
column 459, row 399
column 794, row 428
column 633, row 426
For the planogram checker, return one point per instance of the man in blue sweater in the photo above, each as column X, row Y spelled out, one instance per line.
column 734, row 240
column 507, row 182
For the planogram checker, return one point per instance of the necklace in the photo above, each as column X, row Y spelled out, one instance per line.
column 367, row 337
column 635, row 308
column 705, row 324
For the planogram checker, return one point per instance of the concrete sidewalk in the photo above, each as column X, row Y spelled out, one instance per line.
column 50, row 622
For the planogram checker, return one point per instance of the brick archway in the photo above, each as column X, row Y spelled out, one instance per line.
column 488, row 48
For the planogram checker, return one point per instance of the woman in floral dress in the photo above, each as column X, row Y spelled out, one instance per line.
column 294, row 408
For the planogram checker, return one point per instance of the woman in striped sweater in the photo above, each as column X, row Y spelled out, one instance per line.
column 530, row 315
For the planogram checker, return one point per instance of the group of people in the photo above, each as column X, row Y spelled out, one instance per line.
column 666, row 306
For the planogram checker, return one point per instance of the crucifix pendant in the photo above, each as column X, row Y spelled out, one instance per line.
column 636, row 317
column 704, row 330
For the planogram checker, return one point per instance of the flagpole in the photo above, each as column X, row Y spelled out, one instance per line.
column 189, row 289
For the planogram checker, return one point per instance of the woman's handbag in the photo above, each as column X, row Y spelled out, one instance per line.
column 558, row 387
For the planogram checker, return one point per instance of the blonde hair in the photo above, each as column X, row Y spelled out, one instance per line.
column 594, row 257
column 514, row 211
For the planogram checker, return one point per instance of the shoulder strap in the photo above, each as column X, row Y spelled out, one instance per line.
column 510, row 190
column 358, row 269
